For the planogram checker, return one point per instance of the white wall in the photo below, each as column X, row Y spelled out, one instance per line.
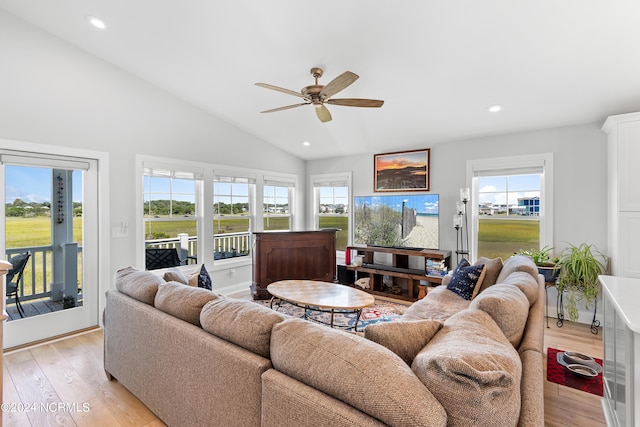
column 580, row 179
column 55, row 94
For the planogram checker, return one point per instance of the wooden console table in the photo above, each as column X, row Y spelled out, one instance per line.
column 399, row 269
column 291, row 255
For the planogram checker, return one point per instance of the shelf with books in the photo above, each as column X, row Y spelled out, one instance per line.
column 400, row 268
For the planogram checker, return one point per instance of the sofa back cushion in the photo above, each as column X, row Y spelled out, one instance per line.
column 508, row 307
column 404, row 338
column 473, row 371
column 517, row 263
column 182, row 301
column 439, row 304
column 140, row 285
column 527, row 284
column 243, row 323
column 354, row 370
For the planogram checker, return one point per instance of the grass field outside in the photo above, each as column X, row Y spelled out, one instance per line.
column 33, row 232
column 496, row 237
column 503, row 237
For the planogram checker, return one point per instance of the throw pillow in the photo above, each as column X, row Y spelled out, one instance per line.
column 492, row 268
column 175, row 275
column 201, row 279
column 405, row 338
column 466, row 278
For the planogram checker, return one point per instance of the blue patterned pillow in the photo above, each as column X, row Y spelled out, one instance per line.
column 466, row 279
column 204, row 280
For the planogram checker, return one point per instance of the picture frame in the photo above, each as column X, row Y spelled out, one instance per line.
column 402, row 171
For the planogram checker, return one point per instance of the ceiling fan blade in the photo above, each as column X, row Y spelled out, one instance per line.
column 281, row 89
column 323, row 113
column 284, row 108
column 337, row 84
column 356, row 102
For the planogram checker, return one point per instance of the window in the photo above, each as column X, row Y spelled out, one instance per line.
column 232, row 215
column 513, row 205
column 276, row 204
column 331, row 207
column 170, row 209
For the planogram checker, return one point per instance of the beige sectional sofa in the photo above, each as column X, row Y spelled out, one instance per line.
column 196, row 358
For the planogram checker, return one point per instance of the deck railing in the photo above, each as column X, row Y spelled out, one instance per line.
column 38, row 274
column 226, row 245
column 37, row 277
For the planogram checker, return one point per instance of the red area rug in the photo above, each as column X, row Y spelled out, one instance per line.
column 556, row 373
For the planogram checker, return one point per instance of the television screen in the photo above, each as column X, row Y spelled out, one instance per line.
column 397, row 221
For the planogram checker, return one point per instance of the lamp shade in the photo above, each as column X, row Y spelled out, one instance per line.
column 464, row 194
column 457, row 221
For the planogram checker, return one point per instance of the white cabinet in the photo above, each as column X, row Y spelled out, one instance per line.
column 621, row 335
column 624, row 193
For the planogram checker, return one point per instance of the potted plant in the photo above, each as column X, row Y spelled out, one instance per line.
column 580, row 267
column 542, row 258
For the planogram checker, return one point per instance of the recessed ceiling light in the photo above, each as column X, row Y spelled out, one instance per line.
column 306, row 143
column 96, row 22
column 495, row 108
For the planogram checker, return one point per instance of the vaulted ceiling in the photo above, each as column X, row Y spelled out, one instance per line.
column 438, row 65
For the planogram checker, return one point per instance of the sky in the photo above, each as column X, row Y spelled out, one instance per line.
column 33, row 184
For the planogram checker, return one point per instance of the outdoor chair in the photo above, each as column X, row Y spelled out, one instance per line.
column 19, row 262
column 156, row 258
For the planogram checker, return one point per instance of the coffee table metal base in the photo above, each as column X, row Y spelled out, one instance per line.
column 331, row 311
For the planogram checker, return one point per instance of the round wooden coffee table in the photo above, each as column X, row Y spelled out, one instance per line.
column 321, row 297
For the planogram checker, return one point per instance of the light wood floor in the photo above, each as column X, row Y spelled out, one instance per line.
column 70, row 371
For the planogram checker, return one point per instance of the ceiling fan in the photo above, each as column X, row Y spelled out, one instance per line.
column 318, row 95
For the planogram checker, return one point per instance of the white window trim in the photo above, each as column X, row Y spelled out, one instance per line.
column 204, row 202
column 314, row 203
column 544, row 160
column 101, row 228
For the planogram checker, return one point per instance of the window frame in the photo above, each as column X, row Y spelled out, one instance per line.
column 204, row 204
column 315, row 182
column 513, row 163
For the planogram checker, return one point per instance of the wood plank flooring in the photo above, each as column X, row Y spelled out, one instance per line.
column 68, row 374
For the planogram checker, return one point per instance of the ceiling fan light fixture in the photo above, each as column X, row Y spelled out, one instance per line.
column 96, row 22
column 319, row 95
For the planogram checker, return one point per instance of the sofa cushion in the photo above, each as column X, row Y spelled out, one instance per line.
column 244, row 323
column 404, row 338
column 201, row 278
column 492, row 268
column 183, row 302
column 439, row 304
column 508, row 307
column 141, row 285
column 473, row 371
column 527, row 284
column 466, row 279
column 175, row 275
column 517, row 263
column 350, row 368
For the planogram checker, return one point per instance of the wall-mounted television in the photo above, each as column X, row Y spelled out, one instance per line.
column 397, row 221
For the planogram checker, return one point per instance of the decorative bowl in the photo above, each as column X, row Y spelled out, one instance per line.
column 574, row 357
column 582, row 371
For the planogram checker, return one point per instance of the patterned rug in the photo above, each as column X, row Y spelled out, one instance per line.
column 382, row 311
column 556, row 373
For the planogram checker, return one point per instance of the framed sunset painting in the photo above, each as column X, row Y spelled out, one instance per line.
column 401, row 171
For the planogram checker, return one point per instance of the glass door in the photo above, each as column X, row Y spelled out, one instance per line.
column 49, row 224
